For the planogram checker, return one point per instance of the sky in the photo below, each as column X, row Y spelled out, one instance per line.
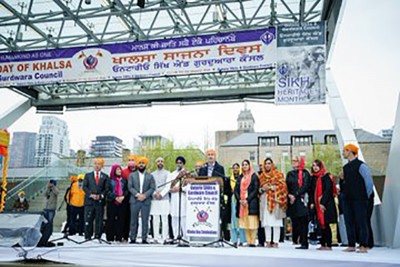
column 365, row 64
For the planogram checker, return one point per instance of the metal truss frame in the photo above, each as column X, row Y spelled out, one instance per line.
column 45, row 24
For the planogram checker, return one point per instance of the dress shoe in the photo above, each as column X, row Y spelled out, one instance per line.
column 133, row 241
column 145, row 242
column 350, row 249
column 302, row 247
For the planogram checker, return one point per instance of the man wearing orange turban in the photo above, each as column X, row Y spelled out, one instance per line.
column 213, row 169
column 358, row 200
column 94, row 185
column 141, row 185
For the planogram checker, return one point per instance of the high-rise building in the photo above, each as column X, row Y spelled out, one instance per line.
column 52, row 141
column 149, row 141
column 22, row 150
column 106, row 147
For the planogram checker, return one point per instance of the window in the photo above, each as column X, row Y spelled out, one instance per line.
column 269, row 141
column 331, row 140
column 301, row 140
column 252, row 156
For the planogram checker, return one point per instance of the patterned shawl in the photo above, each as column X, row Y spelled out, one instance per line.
column 274, row 178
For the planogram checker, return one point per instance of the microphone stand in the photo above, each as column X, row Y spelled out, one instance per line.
column 179, row 239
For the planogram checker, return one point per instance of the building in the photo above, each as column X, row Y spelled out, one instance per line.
column 282, row 145
column 52, row 141
column 106, row 147
column 22, row 150
column 386, row 133
column 149, row 141
column 245, row 124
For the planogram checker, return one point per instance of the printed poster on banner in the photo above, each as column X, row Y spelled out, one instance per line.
column 300, row 72
column 202, row 213
column 223, row 52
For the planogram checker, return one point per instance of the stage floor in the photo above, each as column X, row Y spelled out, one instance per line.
column 95, row 254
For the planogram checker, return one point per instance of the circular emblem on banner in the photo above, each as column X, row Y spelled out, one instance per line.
column 90, row 62
column 267, row 37
column 283, row 69
column 202, row 216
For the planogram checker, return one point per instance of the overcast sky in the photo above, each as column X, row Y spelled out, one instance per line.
column 365, row 63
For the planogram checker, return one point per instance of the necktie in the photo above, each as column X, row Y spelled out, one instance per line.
column 97, row 178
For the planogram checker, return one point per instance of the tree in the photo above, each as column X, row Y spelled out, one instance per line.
column 169, row 153
column 330, row 155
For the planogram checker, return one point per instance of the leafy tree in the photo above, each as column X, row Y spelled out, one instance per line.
column 330, row 155
column 169, row 153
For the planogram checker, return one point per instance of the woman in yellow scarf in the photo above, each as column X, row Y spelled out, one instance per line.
column 273, row 201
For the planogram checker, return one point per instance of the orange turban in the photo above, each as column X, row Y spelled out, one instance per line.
column 352, row 148
column 143, row 159
column 73, row 178
column 201, row 163
column 132, row 157
column 211, row 151
column 99, row 160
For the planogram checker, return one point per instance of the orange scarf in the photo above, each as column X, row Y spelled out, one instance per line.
column 274, row 178
column 244, row 185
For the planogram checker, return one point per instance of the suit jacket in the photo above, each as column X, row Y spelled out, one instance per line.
column 149, row 186
column 110, row 189
column 300, row 206
column 90, row 187
column 226, row 194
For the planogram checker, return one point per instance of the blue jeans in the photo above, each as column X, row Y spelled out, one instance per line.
column 49, row 215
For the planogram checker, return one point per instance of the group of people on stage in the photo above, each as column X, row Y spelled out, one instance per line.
column 252, row 203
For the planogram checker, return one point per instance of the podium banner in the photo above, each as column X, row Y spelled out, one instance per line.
column 202, row 210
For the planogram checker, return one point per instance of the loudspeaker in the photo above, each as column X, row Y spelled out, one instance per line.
column 140, row 3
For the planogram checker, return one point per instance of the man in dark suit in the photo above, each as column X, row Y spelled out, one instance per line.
column 213, row 169
column 141, row 185
column 94, row 185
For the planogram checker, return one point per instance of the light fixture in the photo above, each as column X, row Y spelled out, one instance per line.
column 140, row 3
column 88, row 2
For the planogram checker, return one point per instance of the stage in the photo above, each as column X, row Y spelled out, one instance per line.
column 94, row 253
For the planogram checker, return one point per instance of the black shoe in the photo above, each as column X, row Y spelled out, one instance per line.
column 252, row 246
column 260, row 245
column 302, row 247
column 133, row 241
column 145, row 242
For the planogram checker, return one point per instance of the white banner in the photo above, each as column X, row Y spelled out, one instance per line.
column 246, row 50
column 300, row 72
column 202, row 213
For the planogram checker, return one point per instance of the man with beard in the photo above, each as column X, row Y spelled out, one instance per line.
column 213, row 169
column 160, row 203
column 298, row 183
column 174, row 188
column 125, row 174
column 141, row 185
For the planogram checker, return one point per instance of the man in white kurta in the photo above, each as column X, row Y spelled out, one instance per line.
column 160, row 203
column 174, row 203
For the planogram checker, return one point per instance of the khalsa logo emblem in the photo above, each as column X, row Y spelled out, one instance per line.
column 90, row 62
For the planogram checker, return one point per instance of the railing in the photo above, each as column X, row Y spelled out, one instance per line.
column 33, row 185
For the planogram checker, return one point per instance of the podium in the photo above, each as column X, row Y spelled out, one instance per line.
column 203, row 209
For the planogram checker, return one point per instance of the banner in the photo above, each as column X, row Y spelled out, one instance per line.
column 244, row 50
column 300, row 72
column 202, row 210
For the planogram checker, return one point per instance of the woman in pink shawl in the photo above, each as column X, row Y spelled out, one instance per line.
column 117, row 191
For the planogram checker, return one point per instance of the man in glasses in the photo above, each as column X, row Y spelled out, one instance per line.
column 160, row 203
